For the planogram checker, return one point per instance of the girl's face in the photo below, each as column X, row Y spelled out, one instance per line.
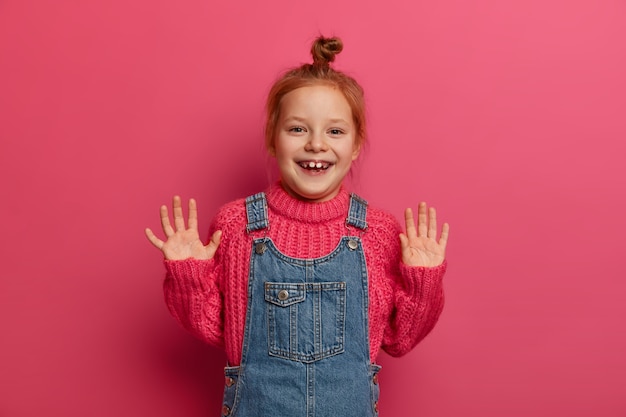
column 315, row 142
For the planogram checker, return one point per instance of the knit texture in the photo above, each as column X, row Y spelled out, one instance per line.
column 209, row 297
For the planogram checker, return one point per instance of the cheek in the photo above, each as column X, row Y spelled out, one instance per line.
column 282, row 155
column 285, row 147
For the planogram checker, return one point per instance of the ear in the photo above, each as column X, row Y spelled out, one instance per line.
column 272, row 150
column 356, row 150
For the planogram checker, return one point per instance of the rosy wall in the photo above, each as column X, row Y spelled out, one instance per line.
column 509, row 116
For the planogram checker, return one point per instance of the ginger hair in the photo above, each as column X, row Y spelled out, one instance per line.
column 319, row 72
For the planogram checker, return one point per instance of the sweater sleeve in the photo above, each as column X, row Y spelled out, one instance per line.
column 194, row 299
column 415, row 299
column 417, row 304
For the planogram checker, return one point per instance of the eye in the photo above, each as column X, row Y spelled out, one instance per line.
column 296, row 129
column 335, row 132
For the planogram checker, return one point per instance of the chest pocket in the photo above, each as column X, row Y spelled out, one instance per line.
column 306, row 321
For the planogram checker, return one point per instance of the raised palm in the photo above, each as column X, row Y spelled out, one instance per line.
column 183, row 242
column 419, row 245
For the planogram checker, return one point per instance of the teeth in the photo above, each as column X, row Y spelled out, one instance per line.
column 314, row 165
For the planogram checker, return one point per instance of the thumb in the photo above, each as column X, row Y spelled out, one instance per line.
column 405, row 248
column 214, row 243
column 404, row 241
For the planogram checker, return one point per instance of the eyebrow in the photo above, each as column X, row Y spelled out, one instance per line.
column 295, row 118
column 303, row 119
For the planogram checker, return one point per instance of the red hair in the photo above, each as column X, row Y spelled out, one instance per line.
column 319, row 72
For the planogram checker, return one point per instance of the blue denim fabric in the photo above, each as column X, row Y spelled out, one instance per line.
column 256, row 210
column 306, row 344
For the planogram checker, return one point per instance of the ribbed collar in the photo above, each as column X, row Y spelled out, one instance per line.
column 285, row 205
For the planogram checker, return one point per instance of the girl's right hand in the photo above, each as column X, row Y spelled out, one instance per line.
column 184, row 242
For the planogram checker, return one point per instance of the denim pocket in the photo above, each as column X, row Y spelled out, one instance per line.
column 229, row 402
column 306, row 321
column 375, row 388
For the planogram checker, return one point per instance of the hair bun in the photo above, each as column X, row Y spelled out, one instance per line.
column 325, row 49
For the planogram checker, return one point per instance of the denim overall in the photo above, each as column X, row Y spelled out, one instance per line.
column 306, row 346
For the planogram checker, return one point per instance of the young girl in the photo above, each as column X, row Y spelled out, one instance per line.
column 303, row 284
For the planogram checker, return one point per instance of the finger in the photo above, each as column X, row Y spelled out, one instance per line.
column 193, row 214
column 214, row 243
column 179, row 220
column 422, row 224
column 432, row 223
column 404, row 241
column 409, row 223
column 404, row 247
column 165, row 222
column 158, row 243
column 443, row 240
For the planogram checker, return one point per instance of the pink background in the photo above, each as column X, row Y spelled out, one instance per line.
column 508, row 116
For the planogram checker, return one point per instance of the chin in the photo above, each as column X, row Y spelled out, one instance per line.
column 311, row 192
column 317, row 196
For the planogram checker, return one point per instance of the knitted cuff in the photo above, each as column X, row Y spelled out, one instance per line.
column 418, row 280
column 193, row 271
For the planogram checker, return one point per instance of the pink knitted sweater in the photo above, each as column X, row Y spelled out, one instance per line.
column 209, row 297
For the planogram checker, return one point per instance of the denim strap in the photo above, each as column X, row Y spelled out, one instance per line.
column 256, row 210
column 357, row 212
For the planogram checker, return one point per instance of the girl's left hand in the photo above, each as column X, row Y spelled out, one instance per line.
column 420, row 246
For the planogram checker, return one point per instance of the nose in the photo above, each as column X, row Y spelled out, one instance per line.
column 316, row 143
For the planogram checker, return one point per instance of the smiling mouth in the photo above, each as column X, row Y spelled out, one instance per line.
column 315, row 165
